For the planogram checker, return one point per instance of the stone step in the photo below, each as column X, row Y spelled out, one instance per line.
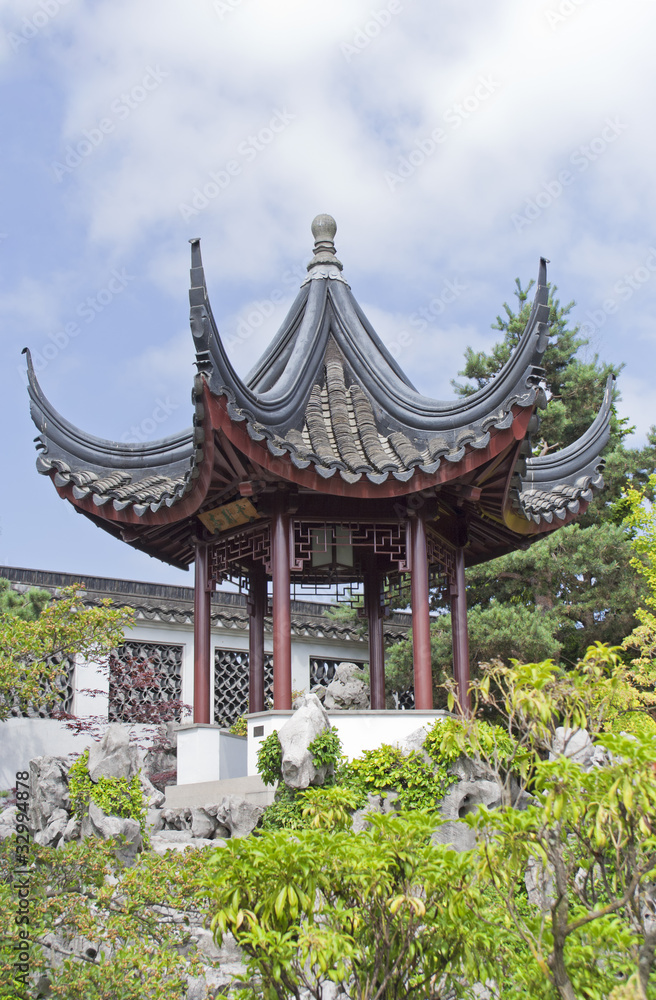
column 204, row 793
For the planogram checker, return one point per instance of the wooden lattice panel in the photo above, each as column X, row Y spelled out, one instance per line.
column 228, row 556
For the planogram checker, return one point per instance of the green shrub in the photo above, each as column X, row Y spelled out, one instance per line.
column 269, row 759
column 326, row 749
column 329, row 808
column 239, row 727
column 115, row 796
column 285, row 812
column 387, row 768
column 448, row 739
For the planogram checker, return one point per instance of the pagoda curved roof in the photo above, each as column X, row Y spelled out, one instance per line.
column 328, row 394
column 327, row 408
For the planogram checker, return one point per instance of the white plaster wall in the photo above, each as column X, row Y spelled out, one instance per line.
column 23, row 739
column 235, row 638
column 88, row 677
column 358, row 731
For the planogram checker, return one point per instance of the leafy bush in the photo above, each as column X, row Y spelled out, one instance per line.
column 285, row 812
column 383, row 913
column 136, row 922
column 326, row 749
column 239, row 727
column 115, row 796
column 448, row 739
column 329, row 808
column 387, row 768
column 269, row 759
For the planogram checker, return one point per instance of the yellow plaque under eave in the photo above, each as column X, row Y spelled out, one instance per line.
column 229, row 516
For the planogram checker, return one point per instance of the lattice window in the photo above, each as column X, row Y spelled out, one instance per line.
column 322, row 671
column 63, row 686
column 145, row 682
column 231, row 683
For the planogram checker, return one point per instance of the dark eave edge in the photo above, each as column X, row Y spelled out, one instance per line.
column 553, row 487
column 140, row 476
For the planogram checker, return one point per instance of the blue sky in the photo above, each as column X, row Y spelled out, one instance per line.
column 454, row 143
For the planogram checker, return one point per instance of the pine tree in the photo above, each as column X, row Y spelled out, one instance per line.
column 580, row 578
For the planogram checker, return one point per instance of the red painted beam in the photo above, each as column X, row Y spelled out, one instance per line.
column 421, row 644
column 256, row 610
column 202, row 637
column 460, row 636
column 372, row 586
column 282, row 639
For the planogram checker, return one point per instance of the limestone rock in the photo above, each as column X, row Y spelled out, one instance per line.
column 154, row 821
column 238, row 815
column 154, row 798
column 177, row 819
column 319, row 690
column 179, row 840
column 202, row 824
column 413, row 743
column 574, row 744
column 385, row 803
column 51, row 835
column 455, row 834
column 114, row 757
column 126, row 831
column 347, row 689
column 466, row 796
column 48, row 789
column 72, row 831
column 539, row 884
column 299, row 731
column 8, row 822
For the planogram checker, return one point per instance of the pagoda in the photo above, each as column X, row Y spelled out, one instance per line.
column 327, row 468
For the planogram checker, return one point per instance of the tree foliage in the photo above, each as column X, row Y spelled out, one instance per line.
column 640, row 518
column 388, row 913
column 384, row 913
column 33, row 647
column 135, row 922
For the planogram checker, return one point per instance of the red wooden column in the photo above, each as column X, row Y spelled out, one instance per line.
column 202, row 636
column 421, row 645
column 460, row 637
column 282, row 638
column 372, row 583
column 256, row 609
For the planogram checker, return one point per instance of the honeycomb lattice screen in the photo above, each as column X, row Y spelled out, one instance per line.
column 136, row 694
column 57, row 694
column 231, row 684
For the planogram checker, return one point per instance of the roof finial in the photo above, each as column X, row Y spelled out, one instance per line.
column 324, row 228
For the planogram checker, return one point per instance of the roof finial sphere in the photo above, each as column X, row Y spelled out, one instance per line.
column 324, row 228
